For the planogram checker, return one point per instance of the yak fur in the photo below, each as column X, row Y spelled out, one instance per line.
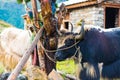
column 97, row 46
column 13, row 44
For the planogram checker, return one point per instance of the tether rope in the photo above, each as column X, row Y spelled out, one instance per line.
column 53, row 60
column 59, row 49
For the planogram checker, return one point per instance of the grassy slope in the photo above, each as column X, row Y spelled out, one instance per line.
column 67, row 66
column 1, row 69
column 4, row 25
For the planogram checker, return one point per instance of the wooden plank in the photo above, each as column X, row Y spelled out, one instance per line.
column 67, row 17
column 82, row 4
column 25, row 57
column 35, row 13
column 112, row 5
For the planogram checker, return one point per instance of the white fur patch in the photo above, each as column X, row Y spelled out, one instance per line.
column 15, row 40
column 13, row 44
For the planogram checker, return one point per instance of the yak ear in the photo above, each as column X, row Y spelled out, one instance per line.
column 81, row 34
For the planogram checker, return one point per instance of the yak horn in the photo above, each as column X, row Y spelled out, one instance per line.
column 71, row 26
column 81, row 34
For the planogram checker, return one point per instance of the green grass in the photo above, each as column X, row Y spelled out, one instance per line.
column 1, row 69
column 67, row 66
column 4, row 25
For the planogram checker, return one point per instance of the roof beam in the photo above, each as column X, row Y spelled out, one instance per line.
column 81, row 4
column 113, row 5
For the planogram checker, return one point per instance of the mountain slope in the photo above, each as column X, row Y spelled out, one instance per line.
column 11, row 12
column 4, row 25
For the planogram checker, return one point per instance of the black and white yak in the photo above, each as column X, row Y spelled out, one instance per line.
column 97, row 45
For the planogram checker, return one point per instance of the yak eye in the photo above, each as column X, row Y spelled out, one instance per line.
column 68, row 42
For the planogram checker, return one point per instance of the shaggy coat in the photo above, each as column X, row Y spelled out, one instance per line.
column 13, row 44
column 97, row 46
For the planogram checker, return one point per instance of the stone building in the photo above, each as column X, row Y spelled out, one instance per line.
column 103, row 13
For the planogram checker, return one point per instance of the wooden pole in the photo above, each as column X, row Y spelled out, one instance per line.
column 51, row 23
column 35, row 13
column 25, row 57
column 50, row 35
column 36, row 23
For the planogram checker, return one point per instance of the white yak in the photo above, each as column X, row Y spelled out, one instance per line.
column 13, row 44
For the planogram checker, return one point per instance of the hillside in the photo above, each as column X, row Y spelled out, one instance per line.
column 4, row 25
column 11, row 12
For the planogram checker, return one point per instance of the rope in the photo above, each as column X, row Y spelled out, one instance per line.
column 77, row 49
column 79, row 56
column 53, row 60
column 59, row 49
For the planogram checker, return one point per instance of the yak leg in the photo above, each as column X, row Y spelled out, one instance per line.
column 90, row 71
column 112, row 70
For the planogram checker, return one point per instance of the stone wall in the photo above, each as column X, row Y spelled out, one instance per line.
column 92, row 15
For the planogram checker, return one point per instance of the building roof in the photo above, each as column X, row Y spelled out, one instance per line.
column 70, row 2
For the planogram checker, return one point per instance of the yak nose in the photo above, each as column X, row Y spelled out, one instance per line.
column 58, row 56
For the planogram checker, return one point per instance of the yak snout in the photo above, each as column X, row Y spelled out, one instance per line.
column 58, row 56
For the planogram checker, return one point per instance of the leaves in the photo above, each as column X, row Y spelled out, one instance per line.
column 20, row 1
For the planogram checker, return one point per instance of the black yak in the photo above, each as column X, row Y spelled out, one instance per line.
column 97, row 45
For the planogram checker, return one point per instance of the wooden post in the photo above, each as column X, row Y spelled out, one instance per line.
column 50, row 35
column 61, row 14
column 51, row 25
column 35, row 13
column 36, row 23
column 25, row 57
